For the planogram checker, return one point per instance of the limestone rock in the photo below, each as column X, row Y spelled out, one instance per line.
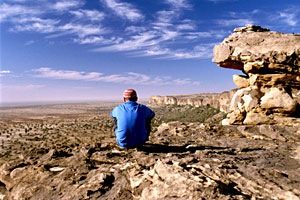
column 245, row 99
column 241, row 81
column 253, row 118
column 271, row 61
column 279, row 80
column 251, row 28
column 217, row 100
column 278, row 99
column 267, row 47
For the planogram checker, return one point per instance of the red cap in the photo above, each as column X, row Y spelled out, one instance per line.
column 129, row 93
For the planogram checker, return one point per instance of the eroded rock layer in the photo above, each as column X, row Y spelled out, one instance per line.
column 270, row 89
column 181, row 161
column 216, row 100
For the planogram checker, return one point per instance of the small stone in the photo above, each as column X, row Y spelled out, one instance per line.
column 56, row 169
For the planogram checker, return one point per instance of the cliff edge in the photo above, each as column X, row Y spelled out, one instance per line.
column 216, row 100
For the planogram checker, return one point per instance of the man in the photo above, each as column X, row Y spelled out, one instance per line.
column 132, row 121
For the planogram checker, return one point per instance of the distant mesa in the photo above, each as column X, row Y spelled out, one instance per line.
column 269, row 91
column 216, row 100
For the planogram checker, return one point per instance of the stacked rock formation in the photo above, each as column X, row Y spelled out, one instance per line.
column 269, row 92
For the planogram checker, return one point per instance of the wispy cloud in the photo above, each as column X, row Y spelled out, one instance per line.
column 136, row 42
column 92, row 15
column 235, row 22
column 124, row 10
column 178, row 4
column 135, row 29
column 36, row 24
column 127, row 78
column 66, row 5
column 65, row 74
column 30, row 42
column 8, row 11
column 5, row 72
column 22, row 87
column 95, row 40
column 82, row 30
column 186, row 25
column 88, row 27
column 217, row 1
column 289, row 18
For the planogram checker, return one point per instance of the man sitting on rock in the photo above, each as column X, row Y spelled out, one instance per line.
column 132, row 121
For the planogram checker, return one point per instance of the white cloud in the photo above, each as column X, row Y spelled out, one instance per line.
column 124, row 10
column 156, row 51
column 66, row 5
column 178, row 3
column 217, row 1
column 235, row 22
column 8, row 11
column 135, row 29
column 127, row 78
column 18, row 1
column 5, row 72
column 185, row 27
column 92, row 15
column 22, row 87
column 185, row 82
column 199, row 51
column 36, row 25
column 197, row 35
column 93, row 40
column 166, row 16
column 290, row 18
column 65, row 74
column 136, row 42
column 83, row 30
column 30, row 42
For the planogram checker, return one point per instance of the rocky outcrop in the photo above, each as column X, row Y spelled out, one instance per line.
column 216, row 100
column 181, row 161
column 269, row 90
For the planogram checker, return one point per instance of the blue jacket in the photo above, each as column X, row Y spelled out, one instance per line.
column 131, row 130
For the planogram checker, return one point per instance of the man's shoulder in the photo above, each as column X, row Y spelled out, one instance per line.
column 118, row 107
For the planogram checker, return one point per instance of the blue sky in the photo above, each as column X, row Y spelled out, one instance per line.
column 93, row 50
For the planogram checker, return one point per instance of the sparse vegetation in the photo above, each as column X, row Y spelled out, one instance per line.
column 170, row 113
column 81, row 129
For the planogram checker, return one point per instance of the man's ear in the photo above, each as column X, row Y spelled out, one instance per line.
column 124, row 99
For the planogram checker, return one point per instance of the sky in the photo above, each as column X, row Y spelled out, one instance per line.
column 70, row 50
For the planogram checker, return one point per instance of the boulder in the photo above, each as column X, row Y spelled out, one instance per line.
column 241, row 81
column 277, row 99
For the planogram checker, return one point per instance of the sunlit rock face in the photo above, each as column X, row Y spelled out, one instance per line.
column 269, row 90
column 216, row 100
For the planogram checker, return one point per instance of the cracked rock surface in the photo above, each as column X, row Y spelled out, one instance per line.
column 182, row 160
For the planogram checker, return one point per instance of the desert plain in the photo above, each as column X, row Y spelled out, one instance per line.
column 68, row 151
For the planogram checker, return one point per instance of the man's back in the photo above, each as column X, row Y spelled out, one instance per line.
column 131, row 119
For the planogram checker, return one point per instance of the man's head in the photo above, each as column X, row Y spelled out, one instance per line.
column 129, row 95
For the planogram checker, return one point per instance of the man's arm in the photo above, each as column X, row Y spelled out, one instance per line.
column 115, row 126
column 148, row 122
